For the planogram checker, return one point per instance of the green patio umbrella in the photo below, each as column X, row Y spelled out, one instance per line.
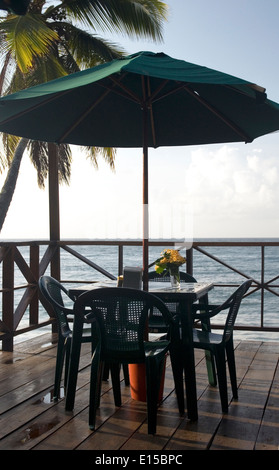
column 143, row 100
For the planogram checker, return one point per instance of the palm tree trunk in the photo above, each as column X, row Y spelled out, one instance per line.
column 8, row 189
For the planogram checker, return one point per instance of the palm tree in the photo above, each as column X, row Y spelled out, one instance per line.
column 47, row 43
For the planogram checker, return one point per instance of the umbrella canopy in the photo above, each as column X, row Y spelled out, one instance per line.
column 143, row 100
column 186, row 104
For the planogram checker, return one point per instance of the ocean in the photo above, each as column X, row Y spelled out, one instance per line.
column 246, row 260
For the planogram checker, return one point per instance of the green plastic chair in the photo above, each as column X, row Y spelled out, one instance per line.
column 57, row 295
column 121, row 315
column 221, row 345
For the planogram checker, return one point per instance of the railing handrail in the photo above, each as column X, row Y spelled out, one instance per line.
column 10, row 255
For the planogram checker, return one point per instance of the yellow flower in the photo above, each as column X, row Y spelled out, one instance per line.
column 169, row 258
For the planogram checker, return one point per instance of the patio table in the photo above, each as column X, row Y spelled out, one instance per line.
column 185, row 297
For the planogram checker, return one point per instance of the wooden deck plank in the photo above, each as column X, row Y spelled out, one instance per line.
column 127, row 430
column 268, row 437
column 240, row 427
column 31, row 420
column 200, row 434
column 76, row 429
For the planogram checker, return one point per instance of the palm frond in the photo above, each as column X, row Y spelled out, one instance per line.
column 2, row 163
column 108, row 154
column 4, row 73
column 133, row 17
column 88, row 50
column 19, row 81
column 44, row 69
column 44, row 44
column 137, row 17
column 38, row 152
column 9, row 146
column 47, row 68
column 10, row 143
column 39, row 156
column 28, row 37
column 64, row 163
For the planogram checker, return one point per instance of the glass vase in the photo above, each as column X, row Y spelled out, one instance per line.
column 175, row 277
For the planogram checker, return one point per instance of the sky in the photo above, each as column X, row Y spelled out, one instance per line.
column 214, row 191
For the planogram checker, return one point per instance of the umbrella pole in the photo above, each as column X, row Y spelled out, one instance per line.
column 145, row 202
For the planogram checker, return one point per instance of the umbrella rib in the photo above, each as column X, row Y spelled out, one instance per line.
column 127, row 90
column 168, row 93
column 107, row 91
column 147, row 101
column 217, row 113
column 32, row 108
column 155, row 93
column 83, row 116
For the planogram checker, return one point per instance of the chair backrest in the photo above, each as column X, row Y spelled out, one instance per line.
column 165, row 277
column 233, row 304
column 52, row 291
column 122, row 315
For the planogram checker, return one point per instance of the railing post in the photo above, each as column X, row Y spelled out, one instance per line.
column 8, row 297
column 120, row 260
column 34, row 266
column 189, row 261
column 262, row 285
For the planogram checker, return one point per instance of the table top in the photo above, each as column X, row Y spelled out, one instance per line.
column 195, row 290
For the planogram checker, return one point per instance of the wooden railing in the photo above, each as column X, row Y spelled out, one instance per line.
column 21, row 299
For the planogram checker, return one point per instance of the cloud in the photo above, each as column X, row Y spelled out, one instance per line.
column 208, row 191
column 233, row 185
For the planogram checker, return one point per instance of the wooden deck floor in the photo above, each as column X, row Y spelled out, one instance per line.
column 31, row 420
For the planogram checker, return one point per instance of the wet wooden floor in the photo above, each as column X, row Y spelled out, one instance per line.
column 30, row 420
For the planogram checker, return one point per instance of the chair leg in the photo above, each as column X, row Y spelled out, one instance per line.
column 101, row 370
column 60, row 358
column 95, row 384
column 115, row 378
column 153, row 380
column 73, row 368
column 232, row 368
column 126, row 374
column 67, row 349
column 209, row 358
column 105, row 372
column 222, row 377
column 210, row 365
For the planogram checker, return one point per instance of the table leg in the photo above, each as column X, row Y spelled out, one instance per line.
column 189, row 360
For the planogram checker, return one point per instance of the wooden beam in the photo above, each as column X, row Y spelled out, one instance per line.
column 54, row 218
column 8, row 297
column 54, row 215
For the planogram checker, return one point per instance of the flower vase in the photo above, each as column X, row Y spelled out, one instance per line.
column 175, row 277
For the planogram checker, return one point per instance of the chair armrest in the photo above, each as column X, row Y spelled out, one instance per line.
column 206, row 311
